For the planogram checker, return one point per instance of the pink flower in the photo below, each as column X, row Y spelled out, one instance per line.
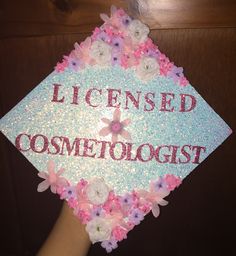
column 128, row 60
column 82, row 184
column 61, row 66
column 52, row 179
column 155, row 198
column 119, row 233
column 116, row 17
column 82, row 51
column 165, row 64
column 115, row 127
column 145, row 48
column 84, row 216
column 172, row 181
column 112, row 205
column 183, row 81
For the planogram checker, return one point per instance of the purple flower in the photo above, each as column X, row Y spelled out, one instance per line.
column 109, row 245
column 136, row 216
column 74, row 63
column 103, row 36
column 159, row 184
column 126, row 201
column 115, row 58
column 152, row 53
column 97, row 212
column 175, row 73
column 69, row 193
column 117, row 42
column 126, row 20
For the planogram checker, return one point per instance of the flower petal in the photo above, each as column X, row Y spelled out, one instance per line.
column 163, row 202
column 126, row 122
column 62, row 182
column 51, row 167
column 106, row 121
column 60, row 171
column 43, row 186
column 43, row 175
column 53, row 188
column 126, row 135
column 155, row 210
column 104, row 17
column 114, row 137
column 113, row 9
column 116, row 115
column 104, row 131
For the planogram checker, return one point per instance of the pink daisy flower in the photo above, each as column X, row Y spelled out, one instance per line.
column 115, row 127
column 52, row 179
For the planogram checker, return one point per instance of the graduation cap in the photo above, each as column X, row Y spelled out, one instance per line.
column 114, row 128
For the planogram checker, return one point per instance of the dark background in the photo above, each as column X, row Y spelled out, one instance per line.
column 199, row 35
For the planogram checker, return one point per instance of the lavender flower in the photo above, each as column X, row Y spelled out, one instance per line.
column 97, row 212
column 126, row 201
column 69, row 193
column 159, row 184
column 117, row 42
column 74, row 63
column 109, row 245
column 115, row 58
column 103, row 36
column 126, row 20
column 136, row 216
column 175, row 73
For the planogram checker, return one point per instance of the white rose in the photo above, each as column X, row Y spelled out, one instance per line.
column 138, row 31
column 147, row 69
column 97, row 191
column 101, row 52
column 99, row 229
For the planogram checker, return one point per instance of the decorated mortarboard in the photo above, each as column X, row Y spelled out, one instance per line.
column 114, row 128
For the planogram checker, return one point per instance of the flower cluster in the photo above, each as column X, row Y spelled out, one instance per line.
column 122, row 41
column 109, row 217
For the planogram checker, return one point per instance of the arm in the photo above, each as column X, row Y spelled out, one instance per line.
column 68, row 237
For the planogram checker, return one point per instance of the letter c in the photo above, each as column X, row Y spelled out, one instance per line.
column 17, row 142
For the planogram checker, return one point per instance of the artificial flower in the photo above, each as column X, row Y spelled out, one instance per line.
column 61, row 66
column 172, row 181
column 115, row 57
column 99, row 229
column 74, row 63
column 101, row 52
column 82, row 52
column 97, row 211
column 68, row 193
column 136, row 216
column 165, row 64
column 147, row 69
column 115, row 127
column 126, row 201
column 119, row 233
column 109, row 245
column 52, row 178
column 175, row 73
column 155, row 196
column 159, row 185
column 97, row 191
column 138, row 31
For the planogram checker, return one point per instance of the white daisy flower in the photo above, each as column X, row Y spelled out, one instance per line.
column 148, row 68
column 101, row 52
column 97, row 191
column 138, row 31
column 99, row 229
